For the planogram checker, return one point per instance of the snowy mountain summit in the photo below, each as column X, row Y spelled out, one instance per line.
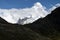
column 37, row 11
column 25, row 16
column 38, row 5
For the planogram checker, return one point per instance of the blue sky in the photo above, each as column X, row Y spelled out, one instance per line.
column 7, row 4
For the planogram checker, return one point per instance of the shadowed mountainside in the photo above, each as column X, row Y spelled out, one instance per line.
column 51, row 20
column 18, row 32
column 2, row 21
column 47, row 28
column 15, row 32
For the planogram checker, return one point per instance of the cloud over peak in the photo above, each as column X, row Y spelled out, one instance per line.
column 26, row 15
column 31, row 14
column 54, row 7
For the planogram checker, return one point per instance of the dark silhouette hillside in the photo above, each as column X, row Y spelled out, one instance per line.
column 2, row 21
column 48, row 26
column 15, row 32
column 18, row 32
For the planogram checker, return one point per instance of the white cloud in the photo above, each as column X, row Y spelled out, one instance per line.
column 33, row 13
column 54, row 7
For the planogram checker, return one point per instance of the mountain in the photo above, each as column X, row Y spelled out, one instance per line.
column 21, row 21
column 37, row 11
column 18, row 32
column 49, row 25
column 47, row 28
column 2, row 21
column 13, row 15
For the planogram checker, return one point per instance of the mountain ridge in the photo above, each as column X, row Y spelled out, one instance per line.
column 49, row 25
column 46, row 28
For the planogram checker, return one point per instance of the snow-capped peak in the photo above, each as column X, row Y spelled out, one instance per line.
column 37, row 5
column 26, row 15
